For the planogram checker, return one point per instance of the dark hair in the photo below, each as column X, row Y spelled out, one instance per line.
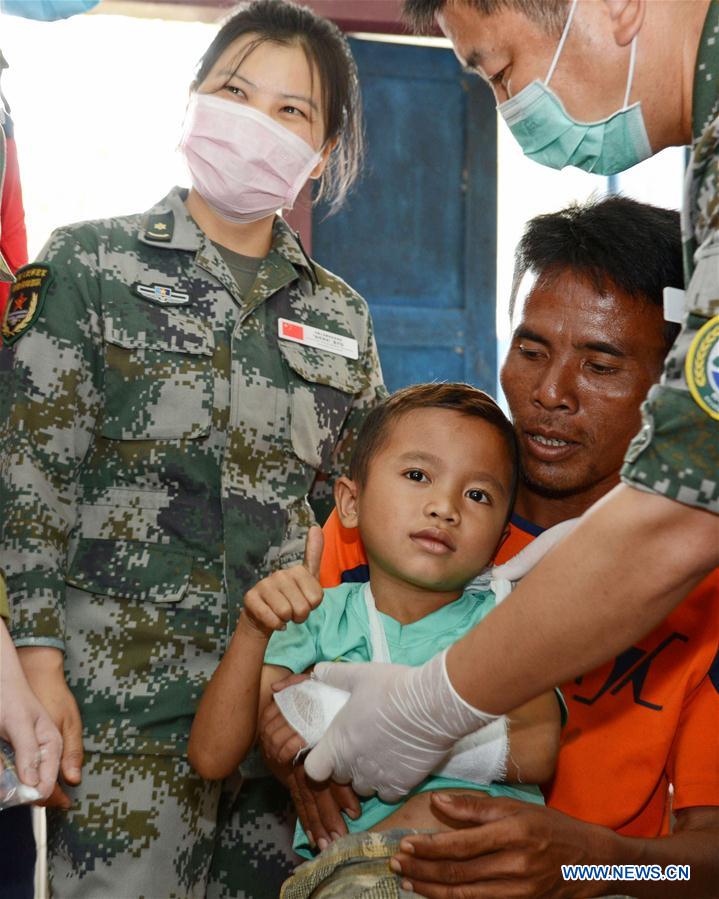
column 551, row 14
column 462, row 398
column 327, row 49
column 614, row 242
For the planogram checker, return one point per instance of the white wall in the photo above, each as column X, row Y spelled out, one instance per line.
column 98, row 104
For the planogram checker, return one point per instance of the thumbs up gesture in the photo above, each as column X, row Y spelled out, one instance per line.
column 289, row 594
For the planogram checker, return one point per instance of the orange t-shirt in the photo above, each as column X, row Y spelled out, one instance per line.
column 647, row 719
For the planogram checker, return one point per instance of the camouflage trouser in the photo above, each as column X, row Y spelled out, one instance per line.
column 253, row 851
column 355, row 867
column 148, row 827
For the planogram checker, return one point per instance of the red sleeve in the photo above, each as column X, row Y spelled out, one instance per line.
column 13, row 237
column 343, row 552
column 694, row 759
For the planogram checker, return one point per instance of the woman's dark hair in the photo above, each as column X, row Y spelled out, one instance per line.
column 327, row 50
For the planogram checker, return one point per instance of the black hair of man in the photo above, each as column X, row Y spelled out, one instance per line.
column 552, row 14
column 615, row 242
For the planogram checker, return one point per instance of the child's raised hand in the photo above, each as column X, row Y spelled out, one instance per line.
column 289, row 594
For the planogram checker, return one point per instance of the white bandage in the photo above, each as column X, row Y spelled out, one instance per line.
column 399, row 724
column 309, row 707
column 481, row 757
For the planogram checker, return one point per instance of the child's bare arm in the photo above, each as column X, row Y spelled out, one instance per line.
column 225, row 726
column 534, row 730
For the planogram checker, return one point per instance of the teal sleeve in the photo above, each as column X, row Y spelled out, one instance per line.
column 296, row 646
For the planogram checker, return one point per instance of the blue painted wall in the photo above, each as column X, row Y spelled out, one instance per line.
column 418, row 236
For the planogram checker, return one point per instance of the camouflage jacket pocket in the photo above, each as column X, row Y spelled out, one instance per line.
column 147, row 572
column 322, row 388
column 158, row 379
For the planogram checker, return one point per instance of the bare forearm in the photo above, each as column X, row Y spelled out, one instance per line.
column 225, row 725
column 534, row 731
column 627, row 565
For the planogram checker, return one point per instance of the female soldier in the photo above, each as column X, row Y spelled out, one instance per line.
column 184, row 382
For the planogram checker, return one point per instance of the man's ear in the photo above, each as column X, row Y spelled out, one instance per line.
column 346, row 502
column 627, row 17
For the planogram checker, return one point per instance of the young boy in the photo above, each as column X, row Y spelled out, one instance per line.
column 431, row 488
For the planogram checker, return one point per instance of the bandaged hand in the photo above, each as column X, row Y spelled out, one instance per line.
column 305, row 708
column 398, row 725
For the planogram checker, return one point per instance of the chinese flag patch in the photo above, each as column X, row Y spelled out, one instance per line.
column 290, row 329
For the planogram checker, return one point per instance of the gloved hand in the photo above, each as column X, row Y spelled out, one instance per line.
column 398, row 725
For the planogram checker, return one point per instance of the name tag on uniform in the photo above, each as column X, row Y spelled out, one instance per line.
column 674, row 304
column 160, row 293
column 320, row 340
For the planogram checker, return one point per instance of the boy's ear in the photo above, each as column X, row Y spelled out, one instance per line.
column 346, row 502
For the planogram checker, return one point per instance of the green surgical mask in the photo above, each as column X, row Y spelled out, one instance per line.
column 549, row 135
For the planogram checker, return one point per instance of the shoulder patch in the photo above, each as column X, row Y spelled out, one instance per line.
column 160, row 227
column 25, row 303
column 702, row 367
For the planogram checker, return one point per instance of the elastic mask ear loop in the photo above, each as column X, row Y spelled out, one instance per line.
column 630, row 76
column 561, row 43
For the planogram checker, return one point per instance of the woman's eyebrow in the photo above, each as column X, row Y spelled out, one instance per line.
column 308, row 100
column 233, row 73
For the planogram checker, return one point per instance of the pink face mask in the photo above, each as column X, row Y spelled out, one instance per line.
column 243, row 164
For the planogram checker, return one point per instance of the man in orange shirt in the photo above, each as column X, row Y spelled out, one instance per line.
column 589, row 339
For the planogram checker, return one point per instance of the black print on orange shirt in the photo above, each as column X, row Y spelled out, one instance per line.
column 631, row 667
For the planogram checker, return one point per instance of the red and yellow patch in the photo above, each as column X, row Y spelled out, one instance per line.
column 27, row 296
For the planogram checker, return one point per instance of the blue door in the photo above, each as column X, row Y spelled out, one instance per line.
column 418, row 237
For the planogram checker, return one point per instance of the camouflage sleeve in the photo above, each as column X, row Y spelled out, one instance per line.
column 676, row 452
column 52, row 404
column 321, row 497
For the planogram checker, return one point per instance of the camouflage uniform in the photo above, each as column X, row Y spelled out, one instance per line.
column 160, row 448
column 353, row 867
column 676, row 453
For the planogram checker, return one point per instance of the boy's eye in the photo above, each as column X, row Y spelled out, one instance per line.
column 415, row 475
column 479, row 496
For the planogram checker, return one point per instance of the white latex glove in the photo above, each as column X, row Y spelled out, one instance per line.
column 310, row 706
column 398, row 725
column 521, row 564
